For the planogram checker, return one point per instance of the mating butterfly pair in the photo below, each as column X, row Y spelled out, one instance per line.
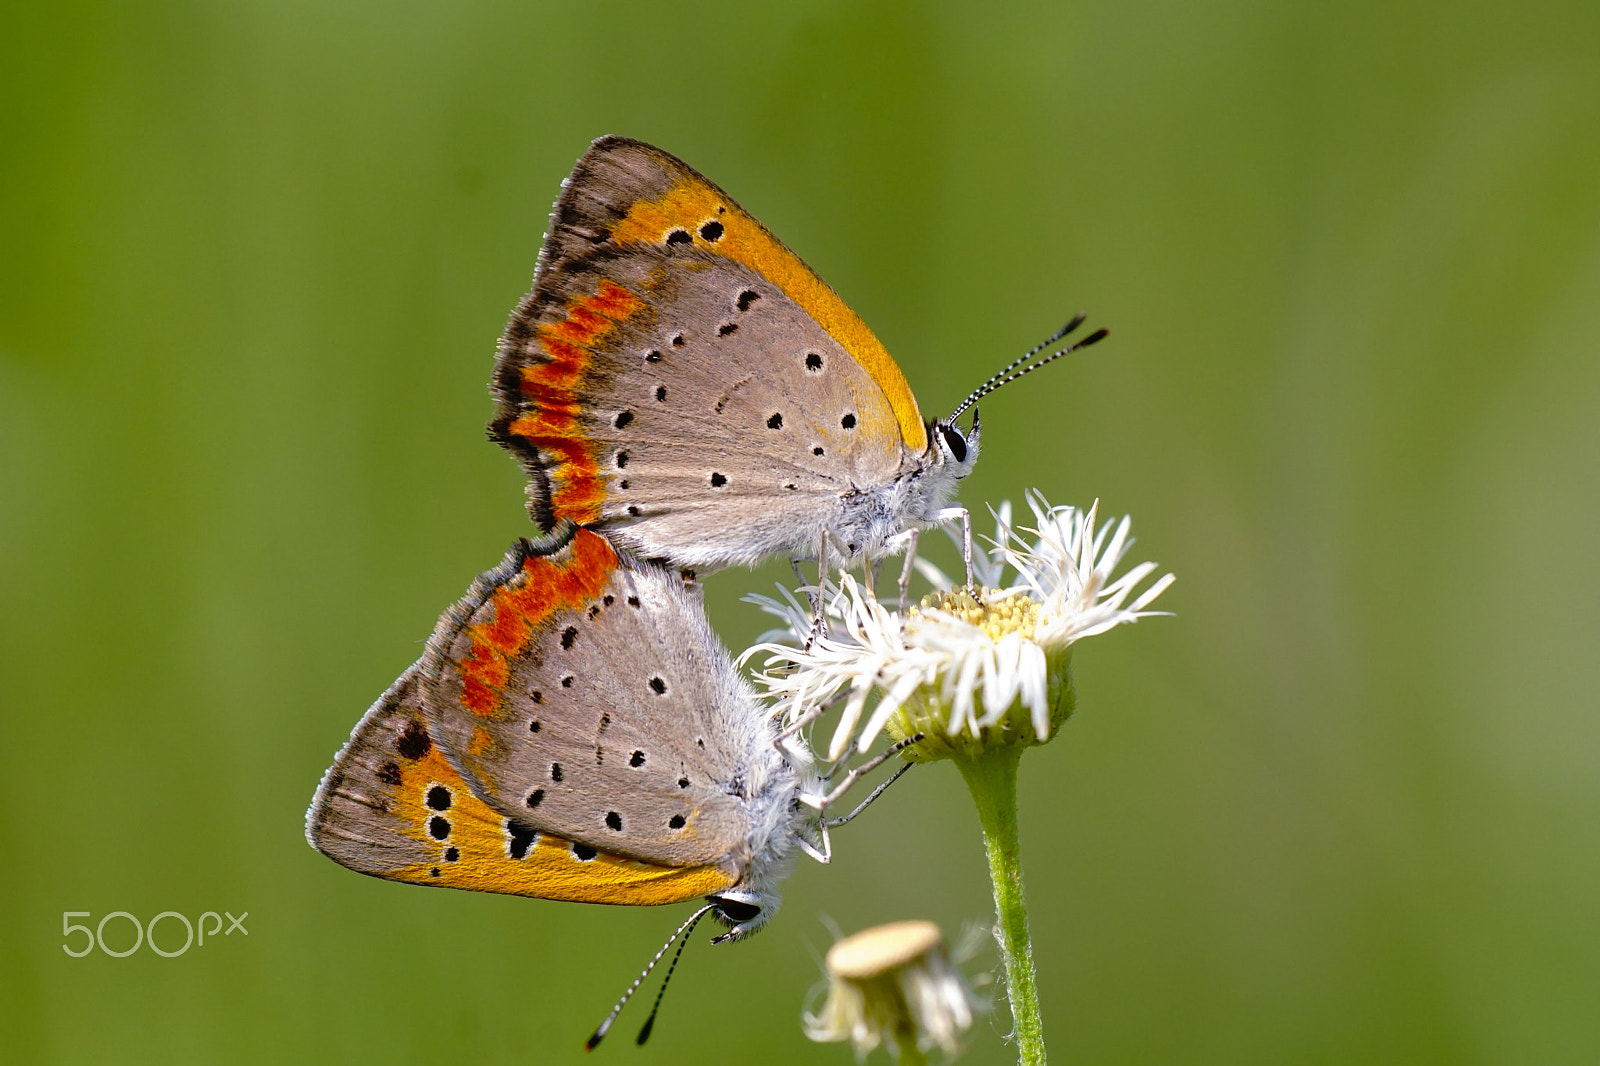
column 684, row 394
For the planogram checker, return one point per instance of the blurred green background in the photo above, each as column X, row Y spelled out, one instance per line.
column 1343, row 807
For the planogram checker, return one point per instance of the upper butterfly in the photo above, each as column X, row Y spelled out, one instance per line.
column 682, row 381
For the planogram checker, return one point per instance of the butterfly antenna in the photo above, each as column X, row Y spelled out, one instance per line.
column 978, row 393
column 605, row 1026
column 650, row 1022
column 1006, row 377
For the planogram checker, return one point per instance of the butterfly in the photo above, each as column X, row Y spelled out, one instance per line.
column 574, row 731
column 682, row 381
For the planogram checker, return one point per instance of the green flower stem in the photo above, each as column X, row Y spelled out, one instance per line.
column 991, row 776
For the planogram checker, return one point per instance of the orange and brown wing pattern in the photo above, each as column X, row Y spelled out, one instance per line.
column 630, row 215
column 393, row 807
column 589, row 699
column 548, row 420
column 521, row 603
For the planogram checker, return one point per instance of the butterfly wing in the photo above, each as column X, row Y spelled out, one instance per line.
column 392, row 806
column 590, row 699
column 682, row 378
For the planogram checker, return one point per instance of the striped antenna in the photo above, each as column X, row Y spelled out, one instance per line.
column 644, row 1034
column 1005, row 375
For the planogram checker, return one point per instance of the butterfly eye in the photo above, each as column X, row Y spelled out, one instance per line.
column 735, row 911
column 955, row 442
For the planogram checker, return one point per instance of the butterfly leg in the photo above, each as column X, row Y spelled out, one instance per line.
column 912, row 536
column 823, row 855
column 953, row 512
column 819, row 624
column 865, row 768
column 829, row 823
column 870, row 574
column 966, row 548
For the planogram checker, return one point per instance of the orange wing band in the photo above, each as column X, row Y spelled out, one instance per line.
column 544, row 587
column 550, row 388
column 476, row 849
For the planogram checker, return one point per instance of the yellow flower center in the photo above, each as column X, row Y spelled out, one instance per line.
column 1016, row 613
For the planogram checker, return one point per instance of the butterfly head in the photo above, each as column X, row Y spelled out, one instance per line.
column 954, row 450
column 743, row 911
column 950, row 457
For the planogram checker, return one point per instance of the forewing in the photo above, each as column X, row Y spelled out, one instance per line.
column 591, row 700
column 392, row 806
column 660, row 304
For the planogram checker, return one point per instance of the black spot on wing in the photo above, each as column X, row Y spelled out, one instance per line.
column 413, row 742
column 519, row 838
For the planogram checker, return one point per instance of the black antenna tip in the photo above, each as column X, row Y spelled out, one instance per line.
column 644, row 1030
column 594, row 1041
column 1093, row 338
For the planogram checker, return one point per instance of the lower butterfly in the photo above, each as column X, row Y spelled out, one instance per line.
column 575, row 731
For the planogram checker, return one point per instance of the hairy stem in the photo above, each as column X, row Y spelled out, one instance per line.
column 991, row 776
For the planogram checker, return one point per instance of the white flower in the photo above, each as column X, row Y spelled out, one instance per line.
column 894, row 983
column 961, row 659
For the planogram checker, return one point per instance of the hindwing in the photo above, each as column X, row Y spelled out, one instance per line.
column 393, row 806
column 588, row 697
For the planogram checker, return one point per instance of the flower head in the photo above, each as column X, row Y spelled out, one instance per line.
column 965, row 666
column 894, row 983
